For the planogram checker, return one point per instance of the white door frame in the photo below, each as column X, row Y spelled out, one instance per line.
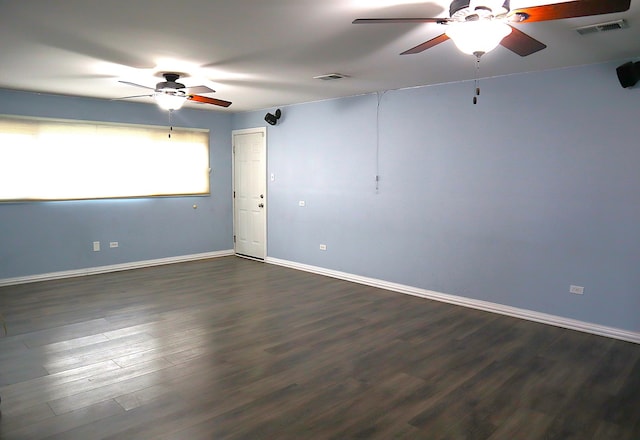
column 263, row 131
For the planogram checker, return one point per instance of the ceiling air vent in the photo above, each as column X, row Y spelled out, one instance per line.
column 603, row 27
column 331, row 76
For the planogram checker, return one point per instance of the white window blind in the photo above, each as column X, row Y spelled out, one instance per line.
column 42, row 159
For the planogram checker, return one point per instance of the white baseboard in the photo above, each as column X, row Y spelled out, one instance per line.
column 112, row 268
column 530, row 315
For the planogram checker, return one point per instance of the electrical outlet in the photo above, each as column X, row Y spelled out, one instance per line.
column 578, row 290
column 323, row 247
column 113, row 244
column 96, row 246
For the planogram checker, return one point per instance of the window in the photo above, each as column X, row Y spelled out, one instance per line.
column 46, row 159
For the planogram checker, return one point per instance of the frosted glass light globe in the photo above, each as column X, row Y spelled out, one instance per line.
column 478, row 37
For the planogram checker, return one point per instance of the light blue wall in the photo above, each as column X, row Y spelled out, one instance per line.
column 37, row 238
column 510, row 201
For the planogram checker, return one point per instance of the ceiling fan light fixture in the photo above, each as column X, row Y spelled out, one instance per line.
column 169, row 101
column 478, row 37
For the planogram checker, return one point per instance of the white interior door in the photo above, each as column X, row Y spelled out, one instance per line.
column 249, row 192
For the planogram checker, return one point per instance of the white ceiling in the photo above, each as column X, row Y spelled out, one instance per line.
column 264, row 53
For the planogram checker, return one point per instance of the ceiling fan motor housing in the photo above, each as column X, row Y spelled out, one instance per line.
column 461, row 8
column 170, row 83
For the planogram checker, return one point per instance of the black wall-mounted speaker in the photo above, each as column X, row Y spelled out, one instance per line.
column 628, row 74
column 273, row 119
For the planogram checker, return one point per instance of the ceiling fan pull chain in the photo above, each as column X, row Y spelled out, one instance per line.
column 170, row 124
column 476, row 82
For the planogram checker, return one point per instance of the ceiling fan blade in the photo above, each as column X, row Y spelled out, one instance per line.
column 578, row 8
column 521, row 43
column 199, row 89
column 134, row 96
column 136, row 85
column 440, row 20
column 207, row 100
column 426, row 45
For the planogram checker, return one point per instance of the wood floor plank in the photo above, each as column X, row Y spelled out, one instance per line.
column 119, row 421
column 229, row 348
column 16, row 372
column 60, row 425
column 537, row 426
column 16, row 419
column 65, row 333
column 32, row 391
column 86, row 394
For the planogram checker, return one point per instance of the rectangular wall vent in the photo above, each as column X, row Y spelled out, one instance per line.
column 603, row 27
column 331, row 76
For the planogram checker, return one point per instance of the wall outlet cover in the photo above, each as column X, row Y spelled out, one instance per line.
column 578, row 290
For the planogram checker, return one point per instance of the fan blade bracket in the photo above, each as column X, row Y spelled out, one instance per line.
column 517, row 17
column 171, row 91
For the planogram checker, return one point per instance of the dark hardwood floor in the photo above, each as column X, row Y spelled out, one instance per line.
column 234, row 349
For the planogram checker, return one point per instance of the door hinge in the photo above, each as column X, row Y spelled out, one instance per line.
column 234, row 238
column 234, row 194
